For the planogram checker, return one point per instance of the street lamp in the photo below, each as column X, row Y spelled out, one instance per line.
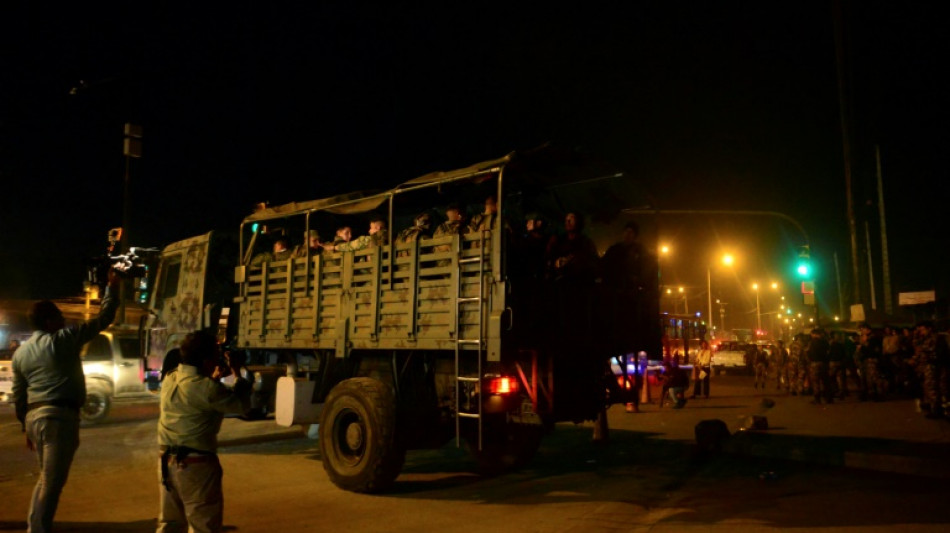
column 685, row 300
column 727, row 260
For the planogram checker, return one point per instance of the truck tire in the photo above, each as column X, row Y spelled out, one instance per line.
column 98, row 402
column 505, row 447
column 358, row 436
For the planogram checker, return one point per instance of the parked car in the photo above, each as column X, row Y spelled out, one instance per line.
column 732, row 355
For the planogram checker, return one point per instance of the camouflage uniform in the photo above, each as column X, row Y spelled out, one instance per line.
column 817, row 355
column 925, row 360
column 419, row 230
column 761, row 366
column 780, row 362
column 449, row 227
column 380, row 238
column 868, row 357
column 793, row 367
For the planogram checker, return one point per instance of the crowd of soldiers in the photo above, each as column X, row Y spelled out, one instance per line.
column 876, row 364
column 378, row 235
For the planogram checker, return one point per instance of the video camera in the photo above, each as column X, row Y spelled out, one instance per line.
column 129, row 265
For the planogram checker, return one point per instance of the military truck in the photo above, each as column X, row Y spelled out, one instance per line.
column 404, row 345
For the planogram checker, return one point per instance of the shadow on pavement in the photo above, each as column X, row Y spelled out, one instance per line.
column 88, row 527
column 658, row 474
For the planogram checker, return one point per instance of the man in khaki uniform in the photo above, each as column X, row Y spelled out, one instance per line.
column 193, row 404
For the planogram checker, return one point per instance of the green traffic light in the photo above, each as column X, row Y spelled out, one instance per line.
column 803, row 269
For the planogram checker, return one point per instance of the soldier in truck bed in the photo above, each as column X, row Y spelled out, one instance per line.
column 280, row 252
column 377, row 236
column 312, row 246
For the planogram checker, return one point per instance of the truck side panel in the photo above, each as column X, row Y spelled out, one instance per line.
column 369, row 299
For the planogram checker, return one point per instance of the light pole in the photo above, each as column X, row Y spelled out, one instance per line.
column 727, row 260
column 685, row 300
column 758, row 313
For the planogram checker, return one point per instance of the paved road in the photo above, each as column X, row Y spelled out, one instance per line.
column 646, row 478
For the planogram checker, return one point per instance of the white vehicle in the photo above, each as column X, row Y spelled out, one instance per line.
column 730, row 355
column 114, row 369
column 6, row 376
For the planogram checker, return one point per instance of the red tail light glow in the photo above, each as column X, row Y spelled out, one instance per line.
column 502, row 385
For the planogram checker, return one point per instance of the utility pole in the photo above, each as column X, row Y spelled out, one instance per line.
column 845, row 116
column 841, row 312
column 131, row 149
column 885, row 258
column 867, row 237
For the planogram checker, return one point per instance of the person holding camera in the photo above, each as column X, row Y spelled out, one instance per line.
column 193, row 404
column 49, row 389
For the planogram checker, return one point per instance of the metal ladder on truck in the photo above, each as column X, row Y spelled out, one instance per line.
column 479, row 341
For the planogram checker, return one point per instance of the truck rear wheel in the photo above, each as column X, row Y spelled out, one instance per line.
column 97, row 405
column 358, row 436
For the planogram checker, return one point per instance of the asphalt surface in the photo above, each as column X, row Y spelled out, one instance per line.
column 886, row 436
column 840, row 467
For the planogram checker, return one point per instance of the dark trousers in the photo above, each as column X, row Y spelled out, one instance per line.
column 701, row 386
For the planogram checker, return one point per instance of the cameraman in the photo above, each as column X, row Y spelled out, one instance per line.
column 193, row 404
column 49, row 389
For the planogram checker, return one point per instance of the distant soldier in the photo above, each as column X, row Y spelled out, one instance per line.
column 890, row 358
column 817, row 354
column 927, row 360
column 761, row 366
column 793, row 366
column 836, row 366
column 780, row 362
column 868, row 358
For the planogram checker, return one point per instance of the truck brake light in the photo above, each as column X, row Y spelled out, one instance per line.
column 502, row 385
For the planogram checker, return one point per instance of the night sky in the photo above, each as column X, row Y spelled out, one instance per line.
column 725, row 105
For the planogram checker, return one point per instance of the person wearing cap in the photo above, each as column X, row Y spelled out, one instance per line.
column 454, row 222
column 312, row 246
column 418, row 230
column 49, row 389
column 192, row 407
column 454, row 225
